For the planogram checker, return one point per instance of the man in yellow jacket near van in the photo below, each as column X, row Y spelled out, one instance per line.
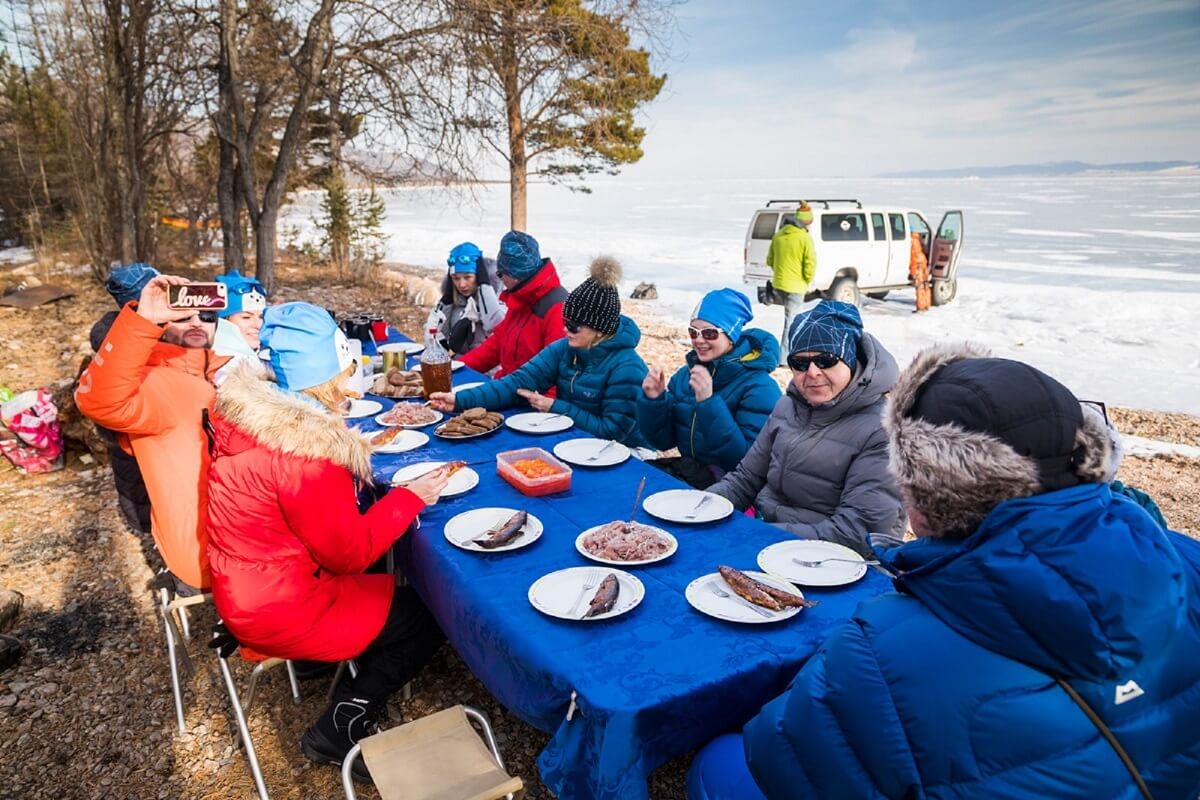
column 793, row 261
column 151, row 381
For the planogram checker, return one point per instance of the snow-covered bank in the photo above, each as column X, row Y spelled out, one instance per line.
column 1096, row 280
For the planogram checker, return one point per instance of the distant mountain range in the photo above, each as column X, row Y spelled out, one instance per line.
column 1054, row 168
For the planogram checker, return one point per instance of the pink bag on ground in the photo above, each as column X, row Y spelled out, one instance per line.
column 38, row 445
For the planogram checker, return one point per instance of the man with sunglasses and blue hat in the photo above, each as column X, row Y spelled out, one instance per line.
column 469, row 309
column 819, row 468
column 239, row 324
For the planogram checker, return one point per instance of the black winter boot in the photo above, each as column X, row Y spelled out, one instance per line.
column 10, row 652
column 347, row 720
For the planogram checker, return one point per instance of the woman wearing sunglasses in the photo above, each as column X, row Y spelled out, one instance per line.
column 469, row 309
column 595, row 369
column 819, row 468
column 718, row 401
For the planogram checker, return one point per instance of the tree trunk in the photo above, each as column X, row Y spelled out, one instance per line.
column 517, row 162
column 339, row 228
column 229, row 198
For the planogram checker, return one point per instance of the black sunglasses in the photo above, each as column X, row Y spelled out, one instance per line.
column 208, row 317
column 571, row 325
column 822, row 360
column 709, row 334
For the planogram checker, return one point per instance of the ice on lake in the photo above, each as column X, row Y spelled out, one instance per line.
column 1095, row 280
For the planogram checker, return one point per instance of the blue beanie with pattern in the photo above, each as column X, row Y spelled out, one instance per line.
column 728, row 309
column 125, row 283
column 306, row 346
column 829, row 327
column 519, row 256
column 244, row 293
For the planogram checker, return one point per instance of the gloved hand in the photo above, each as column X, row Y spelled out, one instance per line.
column 223, row 641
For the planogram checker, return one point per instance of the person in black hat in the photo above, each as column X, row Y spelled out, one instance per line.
column 1042, row 638
column 595, row 369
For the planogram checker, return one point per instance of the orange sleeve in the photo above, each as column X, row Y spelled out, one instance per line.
column 112, row 391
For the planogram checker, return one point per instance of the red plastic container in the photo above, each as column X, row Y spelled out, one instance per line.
column 558, row 481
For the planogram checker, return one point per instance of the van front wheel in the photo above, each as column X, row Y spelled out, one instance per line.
column 944, row 291
column 845, row 289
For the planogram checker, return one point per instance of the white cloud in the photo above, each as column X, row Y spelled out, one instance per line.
column 876, row 50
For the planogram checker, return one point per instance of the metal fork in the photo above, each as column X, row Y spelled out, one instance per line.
column 823, row 560
column 703, row 500
column 719, row 592
column 543, row 421
column 601, row 451
column 589, row 583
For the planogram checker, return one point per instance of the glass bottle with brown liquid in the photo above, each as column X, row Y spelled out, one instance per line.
column 435, row 366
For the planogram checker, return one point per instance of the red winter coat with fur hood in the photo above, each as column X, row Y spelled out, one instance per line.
column 287, row 543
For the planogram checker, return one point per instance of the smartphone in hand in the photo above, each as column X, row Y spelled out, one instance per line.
column 198, row 297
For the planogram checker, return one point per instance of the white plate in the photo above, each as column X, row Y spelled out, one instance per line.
column 735, row 608
column 556, row 594
column 407, row 348
column 404, row 441
column 578, row 451
column 455, row 365
column 464, row 480
column 380, row 418
column 777, row 558
column 463, row 529
column 464, row 386
column 539, row 422
column 363, row 408
column 680, row 505
column 583, row 551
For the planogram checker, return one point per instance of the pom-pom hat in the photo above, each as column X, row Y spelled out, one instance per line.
column 596, row 302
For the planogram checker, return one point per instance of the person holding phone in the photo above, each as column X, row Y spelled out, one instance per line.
column 289, row 547
column 469, row 309
column 151, row 380
column 719, row 400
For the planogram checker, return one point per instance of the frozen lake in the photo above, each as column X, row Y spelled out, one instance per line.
column 1095, row 280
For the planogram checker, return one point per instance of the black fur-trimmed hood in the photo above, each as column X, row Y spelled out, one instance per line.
column 956, row 476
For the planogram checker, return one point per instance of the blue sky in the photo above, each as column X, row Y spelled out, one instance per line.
column 758, row 89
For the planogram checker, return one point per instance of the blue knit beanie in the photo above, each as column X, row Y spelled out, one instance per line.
column 829, row 327
column 728, row 309
column 519, row 256
column 125, row 283
column 307, row 347
column 244, row 293
column 464, row 258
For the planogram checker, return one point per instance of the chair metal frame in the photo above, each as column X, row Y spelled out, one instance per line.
column 173, row 610
column 473, row 714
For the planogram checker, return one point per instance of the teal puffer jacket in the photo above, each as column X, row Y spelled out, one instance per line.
column 597, row 387
column 721, row 429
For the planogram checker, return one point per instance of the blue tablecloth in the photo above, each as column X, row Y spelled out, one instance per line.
column 651, row 684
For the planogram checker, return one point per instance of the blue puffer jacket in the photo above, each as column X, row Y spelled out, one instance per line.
column 942, row 690
column 597, row 386
column 720, row 430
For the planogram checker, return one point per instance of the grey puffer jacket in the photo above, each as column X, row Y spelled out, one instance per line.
column 822, row 472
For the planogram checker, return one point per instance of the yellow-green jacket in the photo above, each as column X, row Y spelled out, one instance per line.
column 793, row 259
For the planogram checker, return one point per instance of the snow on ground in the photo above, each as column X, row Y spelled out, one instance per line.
column 1099, row 285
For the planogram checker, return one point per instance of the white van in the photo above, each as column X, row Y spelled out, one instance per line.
column 860, row 249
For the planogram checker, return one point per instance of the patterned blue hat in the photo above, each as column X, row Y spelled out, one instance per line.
column 464, row 258
column 125, row 283
column 245, row 294
column 307, row 347
column 728, row 309
column 519, row 255
column 829, row 327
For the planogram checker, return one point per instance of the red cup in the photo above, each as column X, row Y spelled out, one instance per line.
column 379, row 330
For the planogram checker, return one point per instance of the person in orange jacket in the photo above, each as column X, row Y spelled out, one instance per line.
column 151, row 382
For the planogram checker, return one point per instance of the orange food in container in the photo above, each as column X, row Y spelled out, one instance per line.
column 533, row 471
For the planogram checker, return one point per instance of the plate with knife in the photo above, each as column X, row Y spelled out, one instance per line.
column 493, row 530
column 462, row 478
column 586, row 594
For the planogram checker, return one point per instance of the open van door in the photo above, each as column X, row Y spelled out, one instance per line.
column 943, row 258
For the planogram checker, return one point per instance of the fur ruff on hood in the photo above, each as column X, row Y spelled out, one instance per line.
column 285, row 423
column 955, row 477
